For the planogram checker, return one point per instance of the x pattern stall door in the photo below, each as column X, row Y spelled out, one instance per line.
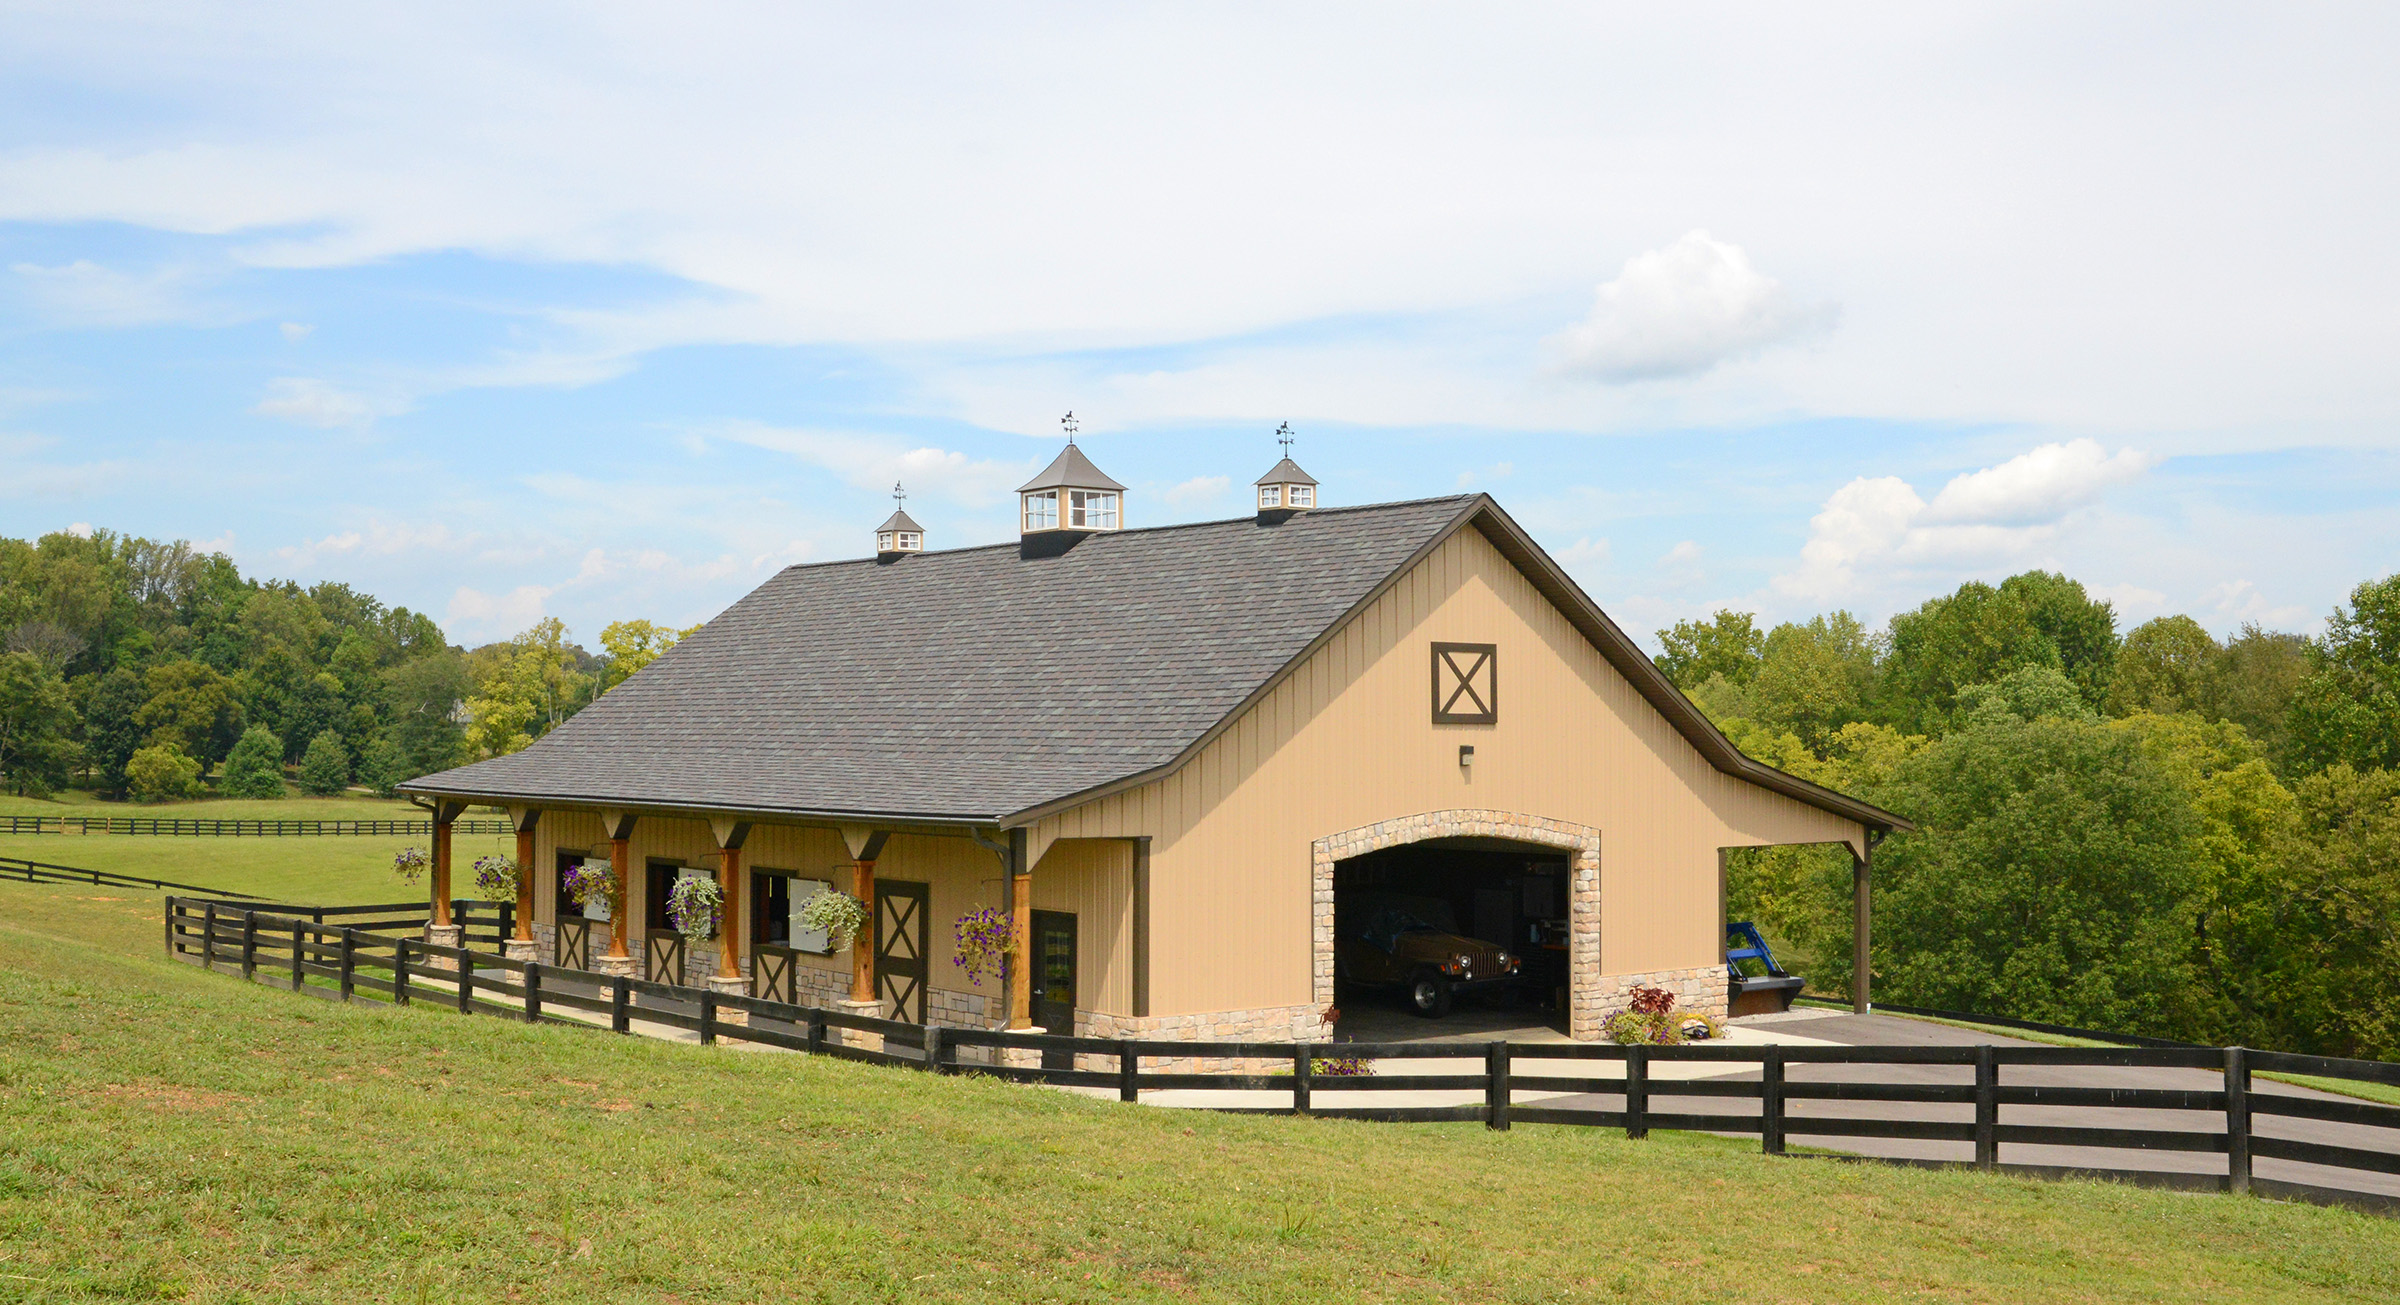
column 901, row 930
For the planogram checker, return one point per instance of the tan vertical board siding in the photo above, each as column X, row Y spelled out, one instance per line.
column 1093, row 879
column 1348, row 740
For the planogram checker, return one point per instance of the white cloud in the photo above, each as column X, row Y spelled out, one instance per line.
column 2134, row 603
column 1683, row 554
column 1199, row 489
column 1995, row 514
column 2239, row 601
column 875, row 461
column 295, row 332
column 2039, row 485
column 81, row 530
column 85, row 293
column 1680, row 311
column 321, row 404
column 481, row 617
column 1584, row 552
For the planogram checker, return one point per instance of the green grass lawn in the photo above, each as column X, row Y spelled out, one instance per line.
column 316, row 870
column 167, row 1133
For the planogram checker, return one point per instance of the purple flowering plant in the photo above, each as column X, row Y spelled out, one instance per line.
column 983, row 940
column 588, row 884
column 411, row 863
column 498, row 878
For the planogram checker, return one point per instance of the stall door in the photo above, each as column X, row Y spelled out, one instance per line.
column 1054, row 981
column 900, row 945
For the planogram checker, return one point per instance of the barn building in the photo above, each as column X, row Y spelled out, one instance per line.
column 1169, row 758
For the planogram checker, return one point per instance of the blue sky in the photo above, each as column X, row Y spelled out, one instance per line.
column 600, row 312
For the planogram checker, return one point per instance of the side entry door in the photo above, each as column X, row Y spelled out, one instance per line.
column 1053, row 1004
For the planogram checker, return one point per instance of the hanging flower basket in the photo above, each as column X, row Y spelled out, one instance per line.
column 693, row 906
column 984, row 941
column 593, row 885
column 499, row 878
column 837, row 915
column 411, row 864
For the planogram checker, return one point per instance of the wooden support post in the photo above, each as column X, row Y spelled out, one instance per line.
column 349, row 979
column 2237, row 1121
column 1637, row 1091
column 533, row 992
column 443, row 814
column 862, row 947
column 1020, row 932
column 1770, row 1101
column 1304, row 1064
column 620, row 1003
column 1987, row 1107
column 733, row 924
column 1129, row 1073
column 620, row 867
column 527, row 821
column 1862, row 898
column 1496, row 1089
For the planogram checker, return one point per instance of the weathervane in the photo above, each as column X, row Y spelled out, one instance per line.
column 1068, row 422
column 1283, row 436
column 899, row 495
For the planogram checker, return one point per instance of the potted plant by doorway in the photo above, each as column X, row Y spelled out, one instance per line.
column 837, row 915
column 693, row 905
column 984, row 942
column 591, row 885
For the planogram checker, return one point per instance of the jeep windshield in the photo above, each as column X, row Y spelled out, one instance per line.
column 1385, row 927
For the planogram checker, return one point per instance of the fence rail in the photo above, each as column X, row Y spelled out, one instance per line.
column 172, row 826
column 311, row 949
column 42, row 872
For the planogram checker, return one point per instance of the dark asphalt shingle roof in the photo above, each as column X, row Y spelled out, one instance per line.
column 967, row 683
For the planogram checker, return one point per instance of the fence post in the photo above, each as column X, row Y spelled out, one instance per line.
column 1770, row 1100
column 208, row 938
column 170, row 918
column 934, row 1042
column 466, row 978
column 1129, row 1073
column 399, row 967
column 1495, row 1086
column 620, row 1000
column 1987, row 1107
column 299, row 954
column 249, row 945
column 708, row 1017
column 533, row 992
column 816, row 1031
column 1637, row 1091
column 2237, row 1121
column 350, row 970
column 1303, row 1062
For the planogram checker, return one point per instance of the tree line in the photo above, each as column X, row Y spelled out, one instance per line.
column 152, row 671
column 2156, row 832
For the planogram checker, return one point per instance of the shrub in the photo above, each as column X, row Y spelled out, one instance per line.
column 162, row 773
column 1651, row 1018
column 254, row 769
column 325, row 767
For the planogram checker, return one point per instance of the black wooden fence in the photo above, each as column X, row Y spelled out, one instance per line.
column 305, row 950
column 165, row 825
column 42, row 872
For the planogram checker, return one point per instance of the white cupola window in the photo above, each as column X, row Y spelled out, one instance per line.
column 1071, row 496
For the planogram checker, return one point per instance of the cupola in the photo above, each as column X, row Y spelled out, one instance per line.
column 901, row 535
column 1285, row 489
column 1069, row 500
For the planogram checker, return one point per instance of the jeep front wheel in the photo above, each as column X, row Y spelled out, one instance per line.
column 1429, row 996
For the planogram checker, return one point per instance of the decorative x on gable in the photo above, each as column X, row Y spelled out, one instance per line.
column 1466, row 684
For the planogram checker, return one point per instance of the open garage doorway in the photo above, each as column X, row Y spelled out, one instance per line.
column 1451, row 938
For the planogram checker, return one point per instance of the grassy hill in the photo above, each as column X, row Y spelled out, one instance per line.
column 165, row 1133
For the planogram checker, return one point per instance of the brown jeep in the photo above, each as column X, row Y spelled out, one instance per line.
column 1385, row 940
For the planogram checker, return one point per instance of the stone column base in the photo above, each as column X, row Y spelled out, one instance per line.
column 521, row 949
column 627, row 967
column 730, row 985
column 1021, row 1057
column 853, row 1037
column 444, row 935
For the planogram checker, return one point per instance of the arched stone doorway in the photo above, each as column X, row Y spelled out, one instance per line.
column 1580, row 843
